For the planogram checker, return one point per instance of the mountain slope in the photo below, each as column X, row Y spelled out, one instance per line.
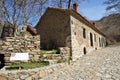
column 110, row 26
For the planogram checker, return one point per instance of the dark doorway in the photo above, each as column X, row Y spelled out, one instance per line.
column 51, row 44
column 84, row 50
column 91, row 39
column 2, row 61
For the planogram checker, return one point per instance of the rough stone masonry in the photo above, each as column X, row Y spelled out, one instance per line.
column 103, row 64
column 30, row 44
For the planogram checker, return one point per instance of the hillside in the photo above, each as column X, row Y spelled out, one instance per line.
column 110, row 26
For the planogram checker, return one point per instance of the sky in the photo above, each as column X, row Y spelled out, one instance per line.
column 92, row 9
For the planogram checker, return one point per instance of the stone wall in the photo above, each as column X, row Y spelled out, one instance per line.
column 65, row 52
column 63, row 56
column 54, row 28
column 33, row 74
column 81, row 39
column 29, row 44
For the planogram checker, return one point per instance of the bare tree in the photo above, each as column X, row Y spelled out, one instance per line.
column 69, row 2
column 113, row 4
column 9, row 11
column 21, row 12
column 42, row 6
column 58, row 3
column 64, row 3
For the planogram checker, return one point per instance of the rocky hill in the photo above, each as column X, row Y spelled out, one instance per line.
column 110, row 26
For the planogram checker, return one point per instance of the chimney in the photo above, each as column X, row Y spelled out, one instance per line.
column 94, row 23
column 75, row 7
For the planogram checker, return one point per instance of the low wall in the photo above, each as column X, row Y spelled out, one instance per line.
column 33, row 74
column 65, row 52
column 64, row 55
column 29, row 44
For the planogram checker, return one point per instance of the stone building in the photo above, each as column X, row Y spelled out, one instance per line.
column 67, row 28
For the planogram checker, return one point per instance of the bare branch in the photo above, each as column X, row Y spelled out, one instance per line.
column 113, row 4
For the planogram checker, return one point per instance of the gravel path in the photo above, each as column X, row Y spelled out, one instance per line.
column 102, row 64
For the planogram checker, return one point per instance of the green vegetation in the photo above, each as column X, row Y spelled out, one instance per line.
column 54, row 51
column 114, row 43
column 27, row 65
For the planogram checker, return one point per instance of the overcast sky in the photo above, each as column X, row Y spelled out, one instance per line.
column 92, row 9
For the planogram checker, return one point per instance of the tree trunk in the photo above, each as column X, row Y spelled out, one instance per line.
column 69, row 2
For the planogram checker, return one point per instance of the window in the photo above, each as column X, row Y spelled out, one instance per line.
column 84, row 33
column 74, row 33
column 99, row 42
column 84, row 51
column 95, row 37
column 91, row 39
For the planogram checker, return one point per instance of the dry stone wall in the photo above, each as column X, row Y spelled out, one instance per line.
column 63, row 56
column 65, row 52
column 29, row 44
column 32, row 74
